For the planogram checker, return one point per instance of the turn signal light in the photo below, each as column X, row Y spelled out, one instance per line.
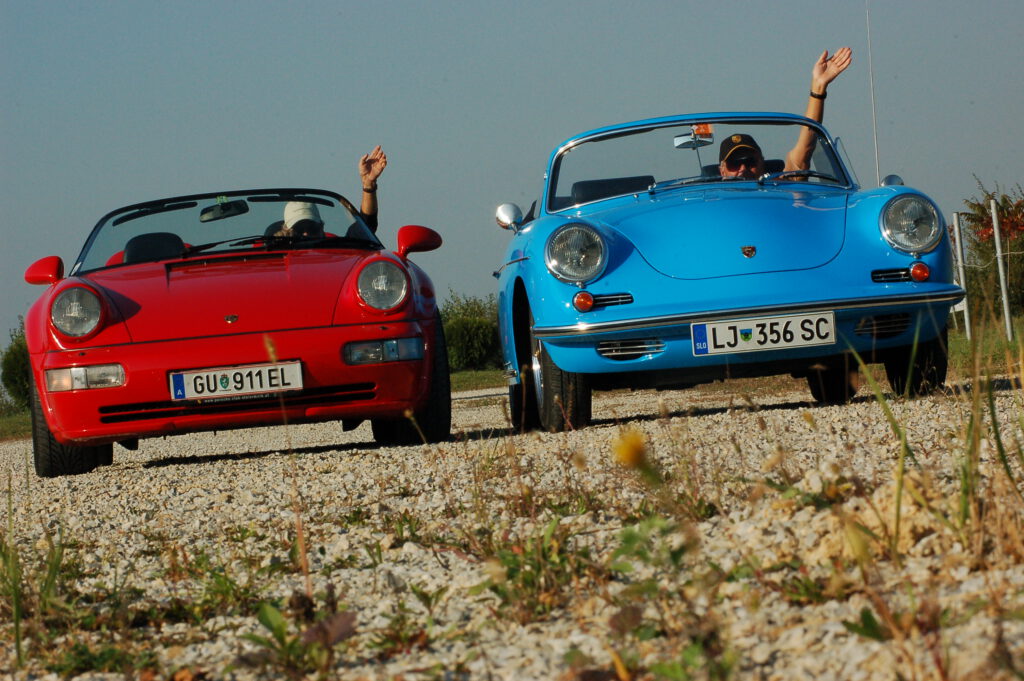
column 583, row 301
column 920, row 272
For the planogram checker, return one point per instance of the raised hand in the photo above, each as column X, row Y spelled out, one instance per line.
column 372, row 165
column 827, row 68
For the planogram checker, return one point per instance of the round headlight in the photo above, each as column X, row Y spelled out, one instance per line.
column 382, row 285
column 575, row 253
column 911, row 224
column 76, row 312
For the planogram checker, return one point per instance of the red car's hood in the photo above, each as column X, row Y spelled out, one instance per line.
column 709, row 233
column 219, row 295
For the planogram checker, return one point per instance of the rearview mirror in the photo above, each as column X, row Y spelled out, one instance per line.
column 700, row 135
column 227, row 209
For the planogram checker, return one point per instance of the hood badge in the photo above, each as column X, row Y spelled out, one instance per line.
column 231, row 318
column 748, row 251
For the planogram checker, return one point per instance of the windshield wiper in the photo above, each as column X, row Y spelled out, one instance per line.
column 678, row 182
column 236, row 241
column 348, row 240
column 153, row 210
column 797, row 173
column 284, row 240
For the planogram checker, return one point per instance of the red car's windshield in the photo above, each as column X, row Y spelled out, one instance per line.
column 232, row 221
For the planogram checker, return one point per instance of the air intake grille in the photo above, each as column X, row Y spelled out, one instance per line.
column 629, row 349
column 883, row 326
column 608, row 299
column 886, row 276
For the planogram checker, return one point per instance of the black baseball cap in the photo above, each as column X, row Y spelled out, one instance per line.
column 734, row 142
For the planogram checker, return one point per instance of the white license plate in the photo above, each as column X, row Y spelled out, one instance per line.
column 763, row 333
column 251, row 379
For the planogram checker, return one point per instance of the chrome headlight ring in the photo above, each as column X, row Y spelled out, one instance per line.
column 76, row 312
column 576, row 253
column 382, row 285
column 910, row 223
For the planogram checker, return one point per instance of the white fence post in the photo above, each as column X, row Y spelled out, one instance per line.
column 960, row 272
column 1002, row 270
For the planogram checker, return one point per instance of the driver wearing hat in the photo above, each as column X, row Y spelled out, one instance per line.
column 739, row 156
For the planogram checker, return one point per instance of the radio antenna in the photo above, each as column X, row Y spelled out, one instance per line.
column 871, row 80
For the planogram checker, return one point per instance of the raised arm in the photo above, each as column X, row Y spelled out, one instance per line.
column 825, row 70
column 370, row 167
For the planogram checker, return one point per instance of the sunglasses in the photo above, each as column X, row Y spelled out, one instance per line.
column 734, row 163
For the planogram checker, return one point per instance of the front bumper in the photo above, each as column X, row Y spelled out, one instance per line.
column 142, row 407
column 866, row 326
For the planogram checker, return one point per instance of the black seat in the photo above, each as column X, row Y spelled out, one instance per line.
column 153, row 246
column 586, row 191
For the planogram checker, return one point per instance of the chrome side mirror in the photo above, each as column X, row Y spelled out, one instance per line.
column 509, row 216
column 890, row 180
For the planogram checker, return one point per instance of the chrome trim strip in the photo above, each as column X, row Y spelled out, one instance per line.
column 584, row 329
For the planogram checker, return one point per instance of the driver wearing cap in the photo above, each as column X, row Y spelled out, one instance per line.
column 739, row 156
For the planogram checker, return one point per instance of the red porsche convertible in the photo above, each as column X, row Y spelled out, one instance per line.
column 229, row 310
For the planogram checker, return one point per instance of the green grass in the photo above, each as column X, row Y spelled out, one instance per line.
column 995, row 351
column 476, row 380
column 16, row 425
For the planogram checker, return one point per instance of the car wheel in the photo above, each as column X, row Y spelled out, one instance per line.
column 563, row 398
column 914, row 374
column 834, row 384
column 435, row 417
column 522, row 396
column 52, row 458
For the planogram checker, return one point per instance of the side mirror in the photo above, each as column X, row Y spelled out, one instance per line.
column 415, row 238
column 509, row 216
column 48, row 270
column 891, row 180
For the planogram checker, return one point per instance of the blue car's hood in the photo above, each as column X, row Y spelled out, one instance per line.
column 696, row 235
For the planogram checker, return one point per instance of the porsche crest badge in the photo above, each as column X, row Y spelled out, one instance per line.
column 748, row 251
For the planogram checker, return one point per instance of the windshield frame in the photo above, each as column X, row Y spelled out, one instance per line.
column 846, row 179
column 190, row 201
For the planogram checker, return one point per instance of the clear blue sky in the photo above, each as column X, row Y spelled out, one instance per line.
column 108, row 103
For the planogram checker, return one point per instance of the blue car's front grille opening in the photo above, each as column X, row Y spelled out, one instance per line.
column 608, row 299
column 882, row 326
column 622, row 350
column 893, row 275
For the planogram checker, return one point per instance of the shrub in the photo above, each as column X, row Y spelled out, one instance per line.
column 982, row 274
column 472, row 343
column 15, row 368
column 471, row 329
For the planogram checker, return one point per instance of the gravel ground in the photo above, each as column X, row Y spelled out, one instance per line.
column 775, row 543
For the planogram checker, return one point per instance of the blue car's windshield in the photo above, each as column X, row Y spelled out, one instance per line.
column 186, row 226
column 678, row 155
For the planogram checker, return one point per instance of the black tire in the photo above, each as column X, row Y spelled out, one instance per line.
column 53, row 459
column 915, row 373
column 836, row 384
column 434, row 419
column 563, row 398
column 522, row 396
column 522, row 403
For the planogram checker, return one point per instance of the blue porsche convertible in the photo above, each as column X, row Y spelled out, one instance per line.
column 675, row 251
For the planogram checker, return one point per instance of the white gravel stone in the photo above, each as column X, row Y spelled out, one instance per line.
column 163, row 519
